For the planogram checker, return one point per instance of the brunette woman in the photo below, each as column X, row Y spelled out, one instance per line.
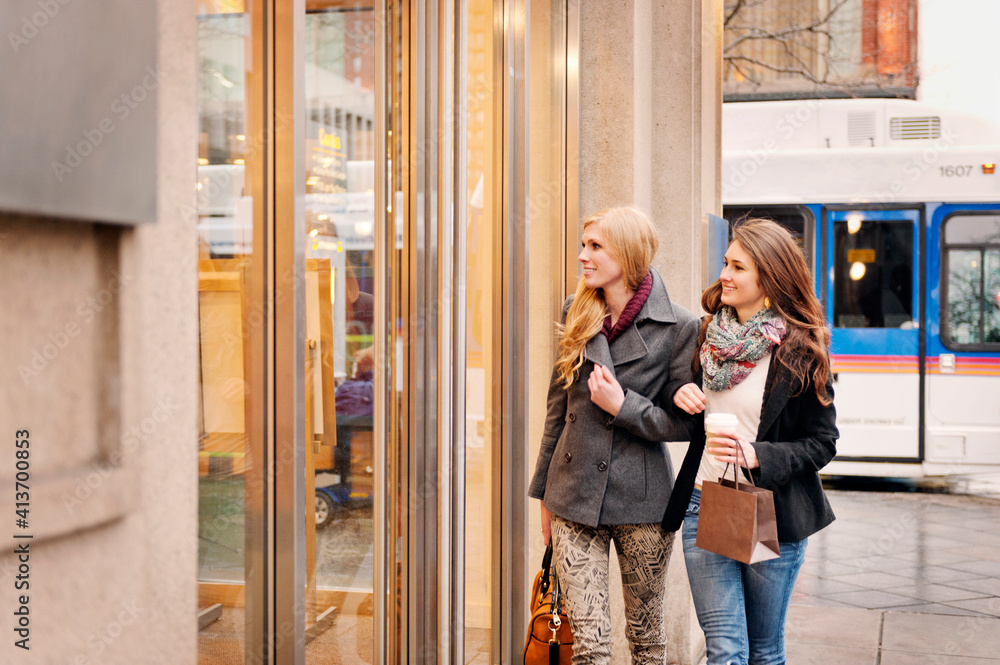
column 763, row 356
column 602, row 472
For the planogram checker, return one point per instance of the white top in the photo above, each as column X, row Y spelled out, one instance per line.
column 745, row 401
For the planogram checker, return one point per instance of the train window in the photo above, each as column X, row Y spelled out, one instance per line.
column 873, row 268
column 972, row 229
column 991, row 323
column 797, row 220
column 972, row 281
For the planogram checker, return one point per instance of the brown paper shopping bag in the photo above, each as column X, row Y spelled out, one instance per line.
column 737, row 520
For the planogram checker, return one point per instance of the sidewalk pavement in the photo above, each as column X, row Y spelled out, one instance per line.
column 844, row 636
column 900, row 579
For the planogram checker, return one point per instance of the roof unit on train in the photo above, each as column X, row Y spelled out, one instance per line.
column 848, row 123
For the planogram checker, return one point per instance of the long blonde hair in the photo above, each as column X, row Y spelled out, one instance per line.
column 631, row 239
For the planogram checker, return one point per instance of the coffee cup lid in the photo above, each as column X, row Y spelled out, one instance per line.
column 721, row 420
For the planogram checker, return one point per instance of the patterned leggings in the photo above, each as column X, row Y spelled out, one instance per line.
column 581, row 562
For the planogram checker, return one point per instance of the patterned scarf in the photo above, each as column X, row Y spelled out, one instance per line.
column 630, row 311
column 731, row 350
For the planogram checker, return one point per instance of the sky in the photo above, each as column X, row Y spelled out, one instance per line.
column 958, row 59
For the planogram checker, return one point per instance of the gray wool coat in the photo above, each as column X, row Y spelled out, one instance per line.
column 597, row 469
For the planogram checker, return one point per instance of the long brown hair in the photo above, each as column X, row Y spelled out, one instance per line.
column 784, row 278
column 631, row 239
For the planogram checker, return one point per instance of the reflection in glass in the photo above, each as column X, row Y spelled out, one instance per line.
column 480, row 353
column 973, row 296
column 226, row 469
column 964, row 296
column 991, row 302
column 340, row 390
column 973, row 287
column 873, row 268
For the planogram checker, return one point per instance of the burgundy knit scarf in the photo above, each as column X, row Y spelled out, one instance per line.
column 631, row 310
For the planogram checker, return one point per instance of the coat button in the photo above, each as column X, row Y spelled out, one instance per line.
column 607, row 424
column 602, row 466
column 572, row 417
column 569, row 456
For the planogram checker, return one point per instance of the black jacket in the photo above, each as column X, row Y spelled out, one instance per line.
column 796, row 438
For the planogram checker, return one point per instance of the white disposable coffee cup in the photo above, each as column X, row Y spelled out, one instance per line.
column 717, row 424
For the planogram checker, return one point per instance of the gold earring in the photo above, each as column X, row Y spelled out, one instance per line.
column 767, row 303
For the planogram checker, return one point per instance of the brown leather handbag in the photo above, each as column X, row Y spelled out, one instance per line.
column 550, row 639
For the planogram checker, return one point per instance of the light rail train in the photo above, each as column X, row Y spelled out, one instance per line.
column 897, row 207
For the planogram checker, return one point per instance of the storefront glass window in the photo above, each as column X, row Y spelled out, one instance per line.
column 481, row 433
column 340, row 297
column 229, row 471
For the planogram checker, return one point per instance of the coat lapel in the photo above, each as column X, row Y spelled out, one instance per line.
column 630, row 345
column 776, row 395
column 599, row 353
column 658, row 306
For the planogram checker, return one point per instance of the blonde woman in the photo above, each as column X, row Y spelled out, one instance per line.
column 602, row 473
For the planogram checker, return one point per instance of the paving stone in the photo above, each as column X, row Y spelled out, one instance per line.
column 982, row 552
column 873, row 599
column 873, row 580
column 820, row 601
column 937, row 608
column 822, row 654
column 818, row 586
column 902, row 658
column 936, row 593
column 981, row 568
column 833, row 626
column 970, row 636
column 935, row 557
column 944, row 575
column 990, row 585
column 989, row 606
column 831, row 568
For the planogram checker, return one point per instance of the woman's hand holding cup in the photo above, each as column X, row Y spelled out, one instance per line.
column 722, row 441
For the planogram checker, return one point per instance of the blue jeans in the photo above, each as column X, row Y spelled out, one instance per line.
column 741, row 608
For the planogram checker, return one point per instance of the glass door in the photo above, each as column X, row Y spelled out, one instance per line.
column 872, row 302
column 340, row 296
column 233, row 325
column 482, row 367
column 423, row 256
column 355, row 459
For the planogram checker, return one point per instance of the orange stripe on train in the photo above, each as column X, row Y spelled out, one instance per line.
column 909, row 365
column 967, row 366
column 880, row 364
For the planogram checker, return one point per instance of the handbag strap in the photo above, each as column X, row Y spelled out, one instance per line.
column 546, row 568
column 549, row 577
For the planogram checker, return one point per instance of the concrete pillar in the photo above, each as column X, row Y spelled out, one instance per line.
column 650, row 81
column 110, row 401
column 650, row 134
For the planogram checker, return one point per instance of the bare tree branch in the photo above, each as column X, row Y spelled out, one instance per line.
column 735, row 10
column 770, row 42
column 801, row 71
column 758, row 32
